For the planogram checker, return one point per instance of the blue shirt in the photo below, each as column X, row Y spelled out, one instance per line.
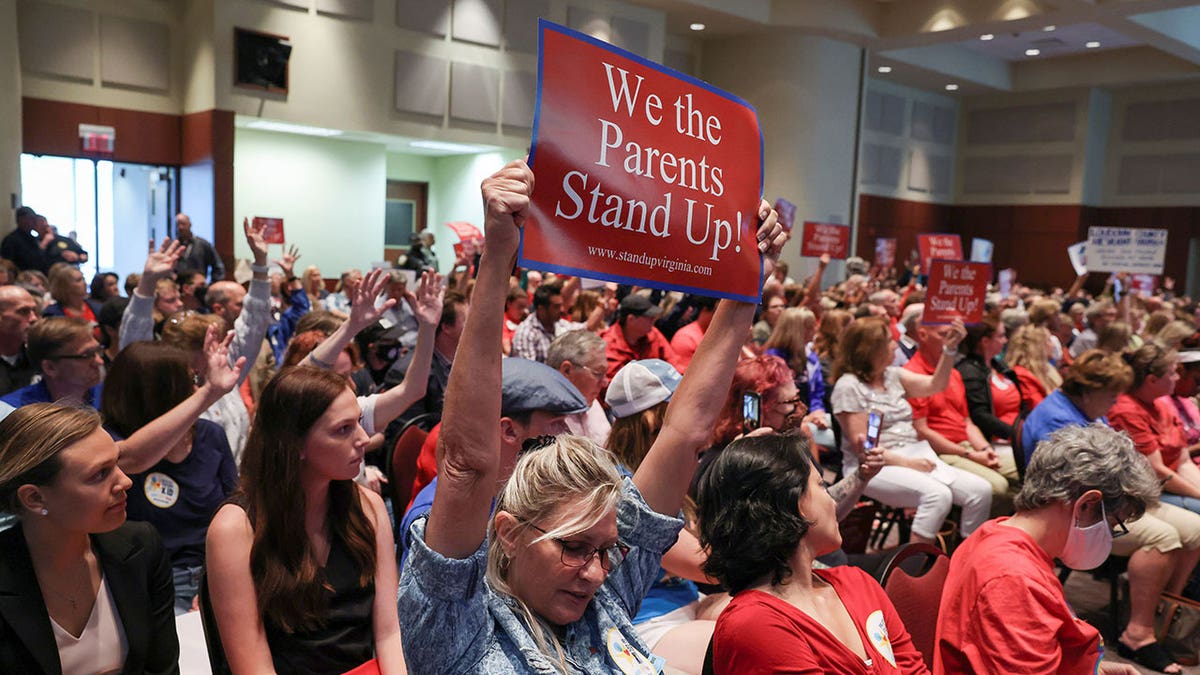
column 1053, row 413
column 454, row 622
column 420, row 507
column 39, row 393
column 179, row 499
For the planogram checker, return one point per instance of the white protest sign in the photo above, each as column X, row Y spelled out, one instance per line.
column 1126, row 249
column 1078, row 255
column 1007, row 277
column 981, row 250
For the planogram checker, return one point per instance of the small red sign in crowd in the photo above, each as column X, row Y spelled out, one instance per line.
column 822, row 238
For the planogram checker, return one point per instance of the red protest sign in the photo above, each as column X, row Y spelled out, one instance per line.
column 1143, row 284
column 466, row 231
column 956, row 290
column 943, row 246
column 273, row 232
column 885, row 251
column 822, row 238
column 644, row 175
column 787, row 213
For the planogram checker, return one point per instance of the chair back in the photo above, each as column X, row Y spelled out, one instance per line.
column 402, row 464
column 1018, row 444
column 913, row 580
column 707, row 667
column 212, row 637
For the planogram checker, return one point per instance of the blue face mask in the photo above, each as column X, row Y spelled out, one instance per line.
column 1087, row 547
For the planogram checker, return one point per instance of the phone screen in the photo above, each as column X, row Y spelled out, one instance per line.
column 750, row 411
column 874, row 422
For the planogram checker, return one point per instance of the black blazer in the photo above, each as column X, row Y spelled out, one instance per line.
column 139, row 574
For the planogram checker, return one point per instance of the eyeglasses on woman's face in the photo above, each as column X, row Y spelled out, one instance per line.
column 580, row 553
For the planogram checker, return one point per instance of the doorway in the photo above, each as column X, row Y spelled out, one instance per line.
column 407, row 204
column 112, row 209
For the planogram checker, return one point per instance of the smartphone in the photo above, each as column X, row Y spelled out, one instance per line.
column 751, row 419
column 874, row 422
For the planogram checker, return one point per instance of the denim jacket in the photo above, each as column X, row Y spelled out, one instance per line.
column 454, row 622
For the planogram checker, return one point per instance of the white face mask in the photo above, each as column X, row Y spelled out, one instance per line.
column 1087, row 547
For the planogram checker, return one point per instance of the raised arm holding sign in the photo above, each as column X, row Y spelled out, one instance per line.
column 646, row 176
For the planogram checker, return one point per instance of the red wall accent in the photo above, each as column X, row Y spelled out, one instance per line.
column 52, row 128
column 1033, row 239
column 207, row 143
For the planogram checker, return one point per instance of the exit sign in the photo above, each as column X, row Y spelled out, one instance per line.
column 97, row 139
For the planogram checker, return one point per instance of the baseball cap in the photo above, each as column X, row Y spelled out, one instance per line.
column 640, row 385
column 639, row 305
column 529, row 386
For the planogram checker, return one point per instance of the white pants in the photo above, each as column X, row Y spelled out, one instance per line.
column 906, row 488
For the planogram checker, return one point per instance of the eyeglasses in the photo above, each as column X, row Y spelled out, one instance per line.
column 1119, row 530
column 580, row 553
column 599, row 373
column 85, row 356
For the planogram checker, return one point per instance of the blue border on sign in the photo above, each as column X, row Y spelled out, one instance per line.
column 985, row 291
column 543, row 26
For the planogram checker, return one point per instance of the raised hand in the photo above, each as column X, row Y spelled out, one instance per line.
column 256, row 241
column 506, row 196
column 222, row 376
column 287, row 262
column 771, row 238
column 957, row 332
column 161, row 263
column 363, row 311
column 426, row 303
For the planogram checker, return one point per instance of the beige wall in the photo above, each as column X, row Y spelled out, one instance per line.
column 806, row 91
column 10, row 114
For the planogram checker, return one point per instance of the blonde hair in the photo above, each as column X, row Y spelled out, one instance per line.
column 788, row 336
column 572, row 471
column 186, row 331
column 1027, row 348
column 1174, row 333
column 31, row 439
column 62, row 280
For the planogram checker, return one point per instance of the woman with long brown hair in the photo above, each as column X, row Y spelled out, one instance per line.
column 301, row 564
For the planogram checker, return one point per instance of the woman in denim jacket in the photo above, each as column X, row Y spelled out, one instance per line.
column 548, row 584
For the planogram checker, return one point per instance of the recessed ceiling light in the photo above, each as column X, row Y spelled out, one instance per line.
column 1092, row 45
column 698, row 26
column 952, row 87
column 1049, row 28
column 1032, row 52
column 987, row 36
column 885, row 69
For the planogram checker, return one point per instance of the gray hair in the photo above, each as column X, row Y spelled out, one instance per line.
column 1074, row 460
column 910, row 318
column 576, row 346
column 1013, row 318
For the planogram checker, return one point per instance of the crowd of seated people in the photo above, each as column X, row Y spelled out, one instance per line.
column 593, row 493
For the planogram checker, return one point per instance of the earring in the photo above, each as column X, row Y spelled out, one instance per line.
column 45, row 512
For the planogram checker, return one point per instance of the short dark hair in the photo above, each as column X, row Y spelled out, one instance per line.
column 541, row 297
column 748, row 509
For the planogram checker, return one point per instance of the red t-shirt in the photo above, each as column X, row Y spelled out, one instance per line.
column 686, row 340
column 760, row 633
column 1152, row 427
column 426, row 463
column 947, row 410
column 1006, row 400
column 653, row 346
column 1031, row 388
column 1003, row 611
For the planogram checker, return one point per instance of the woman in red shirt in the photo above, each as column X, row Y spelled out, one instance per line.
column 765, row 516
column 1146, row 413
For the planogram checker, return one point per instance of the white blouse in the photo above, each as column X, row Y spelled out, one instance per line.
column 101, row 648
